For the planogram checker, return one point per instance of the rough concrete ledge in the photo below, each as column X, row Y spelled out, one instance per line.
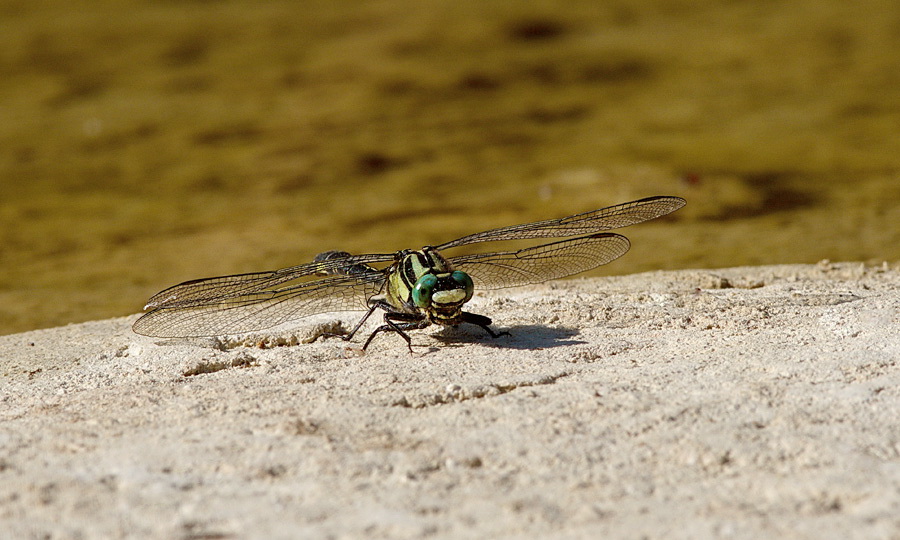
column 745, row 403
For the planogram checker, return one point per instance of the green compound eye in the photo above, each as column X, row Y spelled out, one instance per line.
column 421, row 293
column 465, row 282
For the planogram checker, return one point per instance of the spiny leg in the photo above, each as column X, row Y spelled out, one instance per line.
column 399, row 322
column 373, row 305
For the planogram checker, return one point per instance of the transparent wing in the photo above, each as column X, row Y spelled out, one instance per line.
column 338, row 281
column 250, row 302
column 612, row 217
column 541, row 263
column 208, row 290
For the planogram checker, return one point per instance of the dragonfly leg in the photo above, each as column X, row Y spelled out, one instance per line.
column 399, row 322
column 483, row 322
column 373, row 305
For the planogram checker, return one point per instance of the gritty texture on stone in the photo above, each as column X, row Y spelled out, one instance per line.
column 744, row 402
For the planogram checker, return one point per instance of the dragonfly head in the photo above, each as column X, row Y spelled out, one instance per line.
column 442, row 295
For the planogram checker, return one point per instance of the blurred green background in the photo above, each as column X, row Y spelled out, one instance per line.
column 146, row 143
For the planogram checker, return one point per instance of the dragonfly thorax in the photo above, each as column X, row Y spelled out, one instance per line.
column 423, row 281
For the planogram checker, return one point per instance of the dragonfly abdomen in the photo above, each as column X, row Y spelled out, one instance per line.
column 348, row 269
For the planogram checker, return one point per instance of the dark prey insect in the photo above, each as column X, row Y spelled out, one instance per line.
column 415, row 289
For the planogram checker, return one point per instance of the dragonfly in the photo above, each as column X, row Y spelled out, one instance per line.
column 414, row 288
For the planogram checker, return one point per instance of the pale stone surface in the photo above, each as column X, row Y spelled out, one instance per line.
column 744, row 402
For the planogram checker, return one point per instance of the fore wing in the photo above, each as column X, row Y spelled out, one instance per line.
column 541, row 263
column 612, row 217
column 225, row 287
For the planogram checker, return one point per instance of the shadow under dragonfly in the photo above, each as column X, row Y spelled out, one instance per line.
column 524, row 337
